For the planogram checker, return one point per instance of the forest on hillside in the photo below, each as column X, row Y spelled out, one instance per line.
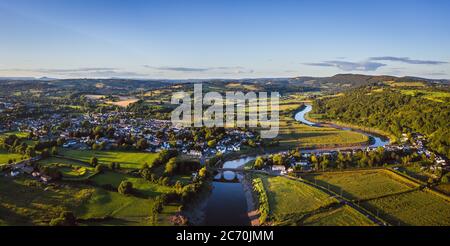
column 391, row 110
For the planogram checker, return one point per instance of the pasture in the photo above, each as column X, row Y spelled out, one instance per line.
column 126, row 159
column 143, row 187
column 32, row 205
column 364, row 184
column 342, row 216
column 296, row 203
column 71, row 170
column 418, row 208
column 5, row 156
column 437, row 96
column 294, row 134
column 287, row 197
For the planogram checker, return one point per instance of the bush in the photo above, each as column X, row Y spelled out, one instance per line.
column 263, row 200
column 99, row 168
column 64, row 219
column 125, row 187
column 445, row 179
column 94, row 161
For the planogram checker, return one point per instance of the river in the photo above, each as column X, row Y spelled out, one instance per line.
column 227, row 204
column 377, row 141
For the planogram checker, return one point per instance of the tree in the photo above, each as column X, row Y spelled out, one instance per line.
column 50, row 171
column 45, row 153
column 94, row 161
column 54, row 151
column 212, row 143
column 340, row 161
column 96, row 147
column 125, row 188
column 64, row 219
column 278, row 159
column 202, row 173
column 142, row 144
column 99, row 168
column 171, row 166
column 259, row 163
column 325, row 162
column 445, row 179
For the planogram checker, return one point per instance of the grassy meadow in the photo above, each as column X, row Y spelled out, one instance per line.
column 71, row 170
column 5, row 156
column 34, row 204
column 126, row 159
column 418, row 208
column 293, row 134
column 142, row 187
column 364, row 184
column 396, row 199
column 293, row 202
column 342, row 216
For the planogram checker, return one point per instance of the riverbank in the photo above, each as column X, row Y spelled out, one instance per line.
column 343, row 126
column 252, row 207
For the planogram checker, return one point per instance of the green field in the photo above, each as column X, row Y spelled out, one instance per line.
column 126, row 159
column 417, row 208
column 24, row 202
column 142, row 186
column 293, row 202
column 18, row 134
column 343, row 216
column 294, row 134
column 364, row 184
column 71, row 170
column 287, row 197
column 32, row 205
column 444, row 188
column 6, row 156
column 437, row 96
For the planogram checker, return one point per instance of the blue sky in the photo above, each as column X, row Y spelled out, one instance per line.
column 223, row 39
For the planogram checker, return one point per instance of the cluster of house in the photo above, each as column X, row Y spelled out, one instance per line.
column 24, row 167
column 416, row 143
column 155, row 132
column 6, row 106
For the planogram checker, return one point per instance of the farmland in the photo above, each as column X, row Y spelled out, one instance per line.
column 71, row 170
column 437, row 96
column 395, row 198
column 343, row 216
column 364, row 184
column 32, row 205
column 288, row 196
column 295, row 202
column 141, row 186
column 412, row 208
column 126, row 159
column 6, row 156
column 294, row 134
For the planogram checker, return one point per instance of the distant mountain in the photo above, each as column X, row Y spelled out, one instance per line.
column 128, row 86
column 16, row 78
column 353, row 80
